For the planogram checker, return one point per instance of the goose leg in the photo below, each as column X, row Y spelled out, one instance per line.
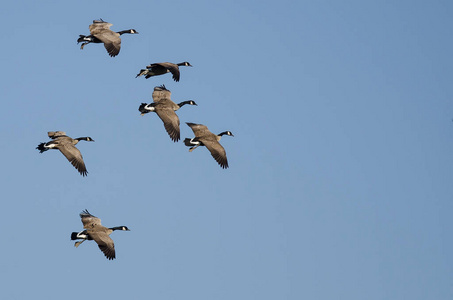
column 77, row 244
column 83, row 45
column 193, row 148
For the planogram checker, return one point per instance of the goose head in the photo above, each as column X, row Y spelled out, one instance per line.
column 123, row 228
column 226, row 133
column 187, row 64
column 87, row 138
column 190, row 102
column 131, row 31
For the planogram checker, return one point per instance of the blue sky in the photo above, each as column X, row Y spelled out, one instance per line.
column 340, row 178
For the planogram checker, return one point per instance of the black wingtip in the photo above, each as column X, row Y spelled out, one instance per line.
column 83, row 172
column 85, row 212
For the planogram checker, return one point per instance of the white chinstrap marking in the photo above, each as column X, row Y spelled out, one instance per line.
column 150, row 108
column 82, row 235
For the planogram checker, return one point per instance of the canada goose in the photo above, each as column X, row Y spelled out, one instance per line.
column 163, row 68
column 101, row 33
column 165, row 109
column 66, row 145
column 95, row 231
column 204, row 137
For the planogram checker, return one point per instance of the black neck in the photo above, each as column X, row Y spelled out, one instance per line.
column 184, row 103
column 124, row 31
column 117, row 228
column 82, row 138
column 223, row 133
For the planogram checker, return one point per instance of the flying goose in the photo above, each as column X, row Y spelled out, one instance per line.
column 163, row 68
column 95, row 231
column 204, row 137
column 165, row 109
column 101, row 33
column 66, row 145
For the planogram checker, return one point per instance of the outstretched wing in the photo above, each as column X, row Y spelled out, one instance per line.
column 161, row 92
column 217, row 151
column 98, row 27
column 171, row 122
column 55, row 134
column 112, row 42
column 105, row 243
column 74, row 157
column 198, row 129
column 88, row 220
column 171, row 67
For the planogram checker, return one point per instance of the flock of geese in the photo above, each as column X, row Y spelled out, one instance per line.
column 162, row 105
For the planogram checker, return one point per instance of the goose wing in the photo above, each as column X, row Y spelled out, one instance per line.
column 88, row 220
column 112, row 42
column 98, row 27
column 217, row 150
column 171, row 121
column 55, row 134
column 199, row 129
column 113, row 46
column 160, row 93
column 105, row 243
column 74, row 157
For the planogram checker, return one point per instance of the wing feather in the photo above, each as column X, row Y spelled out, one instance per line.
column 170, row 120
column 88, row 220
column 105, row 243
column 74, row 156
column 217, row 151
column 199, row 129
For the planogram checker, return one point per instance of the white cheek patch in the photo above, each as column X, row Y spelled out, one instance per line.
column 150, row 108
column 82, row 236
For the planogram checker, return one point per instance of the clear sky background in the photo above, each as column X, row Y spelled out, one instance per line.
column 340, row 178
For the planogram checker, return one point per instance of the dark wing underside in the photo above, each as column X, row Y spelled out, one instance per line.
column 74, row 157
column 105, row 243
column 112, row 42
column 171, row 122
column 175, row 72
column 163, row 67
column 217, row 151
